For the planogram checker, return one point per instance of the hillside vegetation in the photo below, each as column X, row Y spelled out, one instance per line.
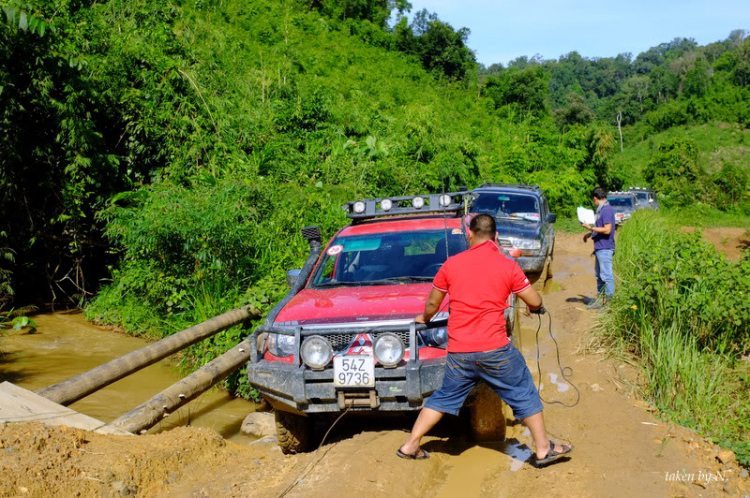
column 681, row 309
column 173, row 149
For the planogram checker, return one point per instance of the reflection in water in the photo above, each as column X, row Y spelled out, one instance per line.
column 66, row 345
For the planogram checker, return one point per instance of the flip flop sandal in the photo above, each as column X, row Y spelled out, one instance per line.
column 425, row 455
column 552, row 456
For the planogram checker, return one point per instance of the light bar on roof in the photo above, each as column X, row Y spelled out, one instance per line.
column 451, row 202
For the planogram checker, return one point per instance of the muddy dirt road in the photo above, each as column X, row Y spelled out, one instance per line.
column 622, row 449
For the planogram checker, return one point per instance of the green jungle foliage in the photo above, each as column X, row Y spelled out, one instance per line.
column 681, row 308
column 175, row 148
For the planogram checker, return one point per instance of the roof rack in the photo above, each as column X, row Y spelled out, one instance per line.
column 523, row 186
column 449, row 202
column 616, row 192
column 632, row 189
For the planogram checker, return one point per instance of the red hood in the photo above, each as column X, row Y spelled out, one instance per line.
column 357, row 304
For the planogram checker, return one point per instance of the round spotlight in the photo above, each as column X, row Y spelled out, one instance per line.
column 417, row 202
column 359, row 207
column 386, row 204
column 316, row 352
column 388, row 349
column 444, row 200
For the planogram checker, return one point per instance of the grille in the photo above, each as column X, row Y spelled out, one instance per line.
column 505, row 242
column 339, row 342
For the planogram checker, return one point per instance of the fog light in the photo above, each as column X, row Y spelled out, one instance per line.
column 417, row 202
column 316, row 352
column 359, row 207
column 445, row 200
column 388, row 349
column 386, row 204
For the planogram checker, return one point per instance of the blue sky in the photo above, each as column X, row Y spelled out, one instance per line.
column 502, row 30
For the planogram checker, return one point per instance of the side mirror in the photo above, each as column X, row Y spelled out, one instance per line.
column 551, row 218
column 291, row 277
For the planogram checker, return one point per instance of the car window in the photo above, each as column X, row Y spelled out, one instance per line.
column 620, row 201
column 363, row 258
column 508, row 205
column 642, row 196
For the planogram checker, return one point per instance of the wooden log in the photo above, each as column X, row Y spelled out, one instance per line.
column 83, row 384
column 160, row 406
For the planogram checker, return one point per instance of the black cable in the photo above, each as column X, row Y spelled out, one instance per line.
column 306, row 471
column 563, row 370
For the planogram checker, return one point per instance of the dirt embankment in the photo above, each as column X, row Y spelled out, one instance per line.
column 622, row 448
column 733, row 242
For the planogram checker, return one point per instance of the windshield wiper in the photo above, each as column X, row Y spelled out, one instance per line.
column 396, row 280
column 511, row 218
column 339, row 284
column 381, row 281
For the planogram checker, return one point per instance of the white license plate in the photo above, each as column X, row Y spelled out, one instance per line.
column 353, row 371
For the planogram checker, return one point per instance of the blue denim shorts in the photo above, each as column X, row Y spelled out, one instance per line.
column 504, row 370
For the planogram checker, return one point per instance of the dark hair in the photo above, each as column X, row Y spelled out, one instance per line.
column 599, row 193
column 483, row 226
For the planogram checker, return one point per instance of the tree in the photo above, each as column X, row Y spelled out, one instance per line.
column 438, row 46
column 697, row 79
column 576, row 112
column 526, row 88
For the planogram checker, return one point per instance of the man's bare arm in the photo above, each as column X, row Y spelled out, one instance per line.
column 431, row 307
column 532, row 298
column 605, row 230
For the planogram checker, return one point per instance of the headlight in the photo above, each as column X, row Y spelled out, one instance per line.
column 386, row 204
column 527, row 244
column 417, row 202
column 388, row 349
column 435, row 337
column 359, row 207
column 316, row 352
column 281, row 345
column 444, row 200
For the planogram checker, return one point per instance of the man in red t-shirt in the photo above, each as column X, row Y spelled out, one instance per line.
column 479, row 282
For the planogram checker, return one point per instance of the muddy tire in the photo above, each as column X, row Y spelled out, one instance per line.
column 487, row 416
column 295, row 433
column 538, row 284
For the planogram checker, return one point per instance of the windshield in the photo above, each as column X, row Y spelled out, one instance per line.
column 387, row 257
column 508, row 206
column 625, row 202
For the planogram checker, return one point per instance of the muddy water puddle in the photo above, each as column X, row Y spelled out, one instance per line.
column 65, row 345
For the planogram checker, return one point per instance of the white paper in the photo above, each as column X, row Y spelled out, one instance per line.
column 586, row 216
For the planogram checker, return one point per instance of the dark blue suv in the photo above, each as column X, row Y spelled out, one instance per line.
column 523, row 221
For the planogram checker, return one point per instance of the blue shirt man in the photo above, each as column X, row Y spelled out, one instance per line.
column 603, row 233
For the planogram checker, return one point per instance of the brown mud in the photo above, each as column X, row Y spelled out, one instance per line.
column 733, row 242
column 621, row 447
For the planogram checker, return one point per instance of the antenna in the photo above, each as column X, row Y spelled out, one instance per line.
column 445, row 215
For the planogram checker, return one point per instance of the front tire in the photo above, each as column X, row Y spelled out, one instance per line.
column 295, row 433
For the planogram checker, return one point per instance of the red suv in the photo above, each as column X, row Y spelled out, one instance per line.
column 345, row 336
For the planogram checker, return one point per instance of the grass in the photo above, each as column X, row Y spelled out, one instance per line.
column 674, row 314
column 569, row 225
column 716, row 141
column 703, row 216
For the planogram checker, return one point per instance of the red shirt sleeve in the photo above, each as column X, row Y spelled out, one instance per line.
column 440, row 282
column 518, row 280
